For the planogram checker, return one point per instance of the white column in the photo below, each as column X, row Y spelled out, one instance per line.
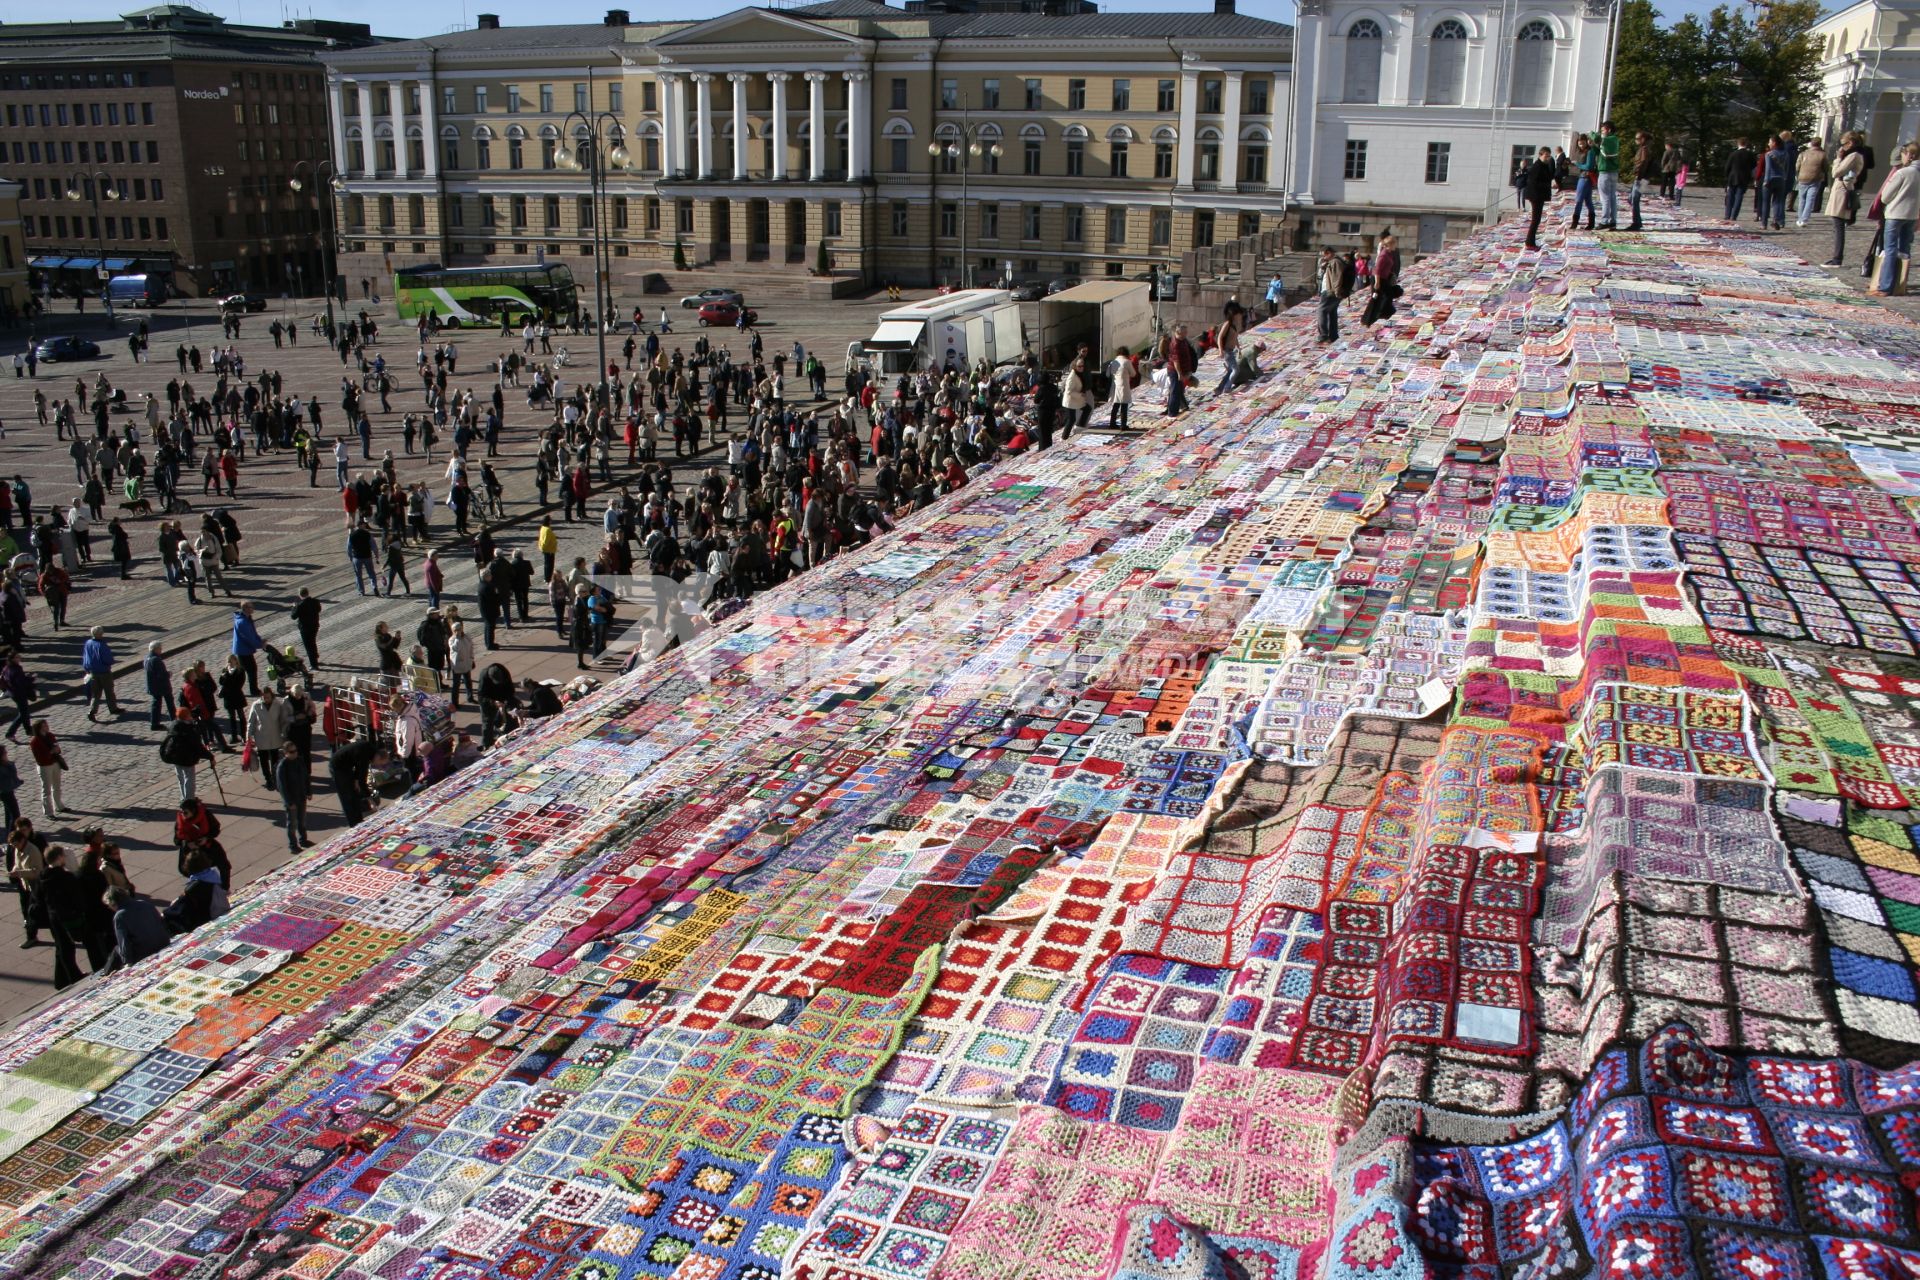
column 1189, row 112
column 669, row 152
column 1230, row 143
column 680, row 124
column 778, row 79
column 369, row 156
column 397, row 117
column 703, row 123
column 817, row 124
column 739, row 81
column 859, row 145
column 337, row 117
column 1309, row 22
column 1909, row 120
column 429, row 127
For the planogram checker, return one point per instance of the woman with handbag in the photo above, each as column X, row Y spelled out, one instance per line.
column 1843, row 196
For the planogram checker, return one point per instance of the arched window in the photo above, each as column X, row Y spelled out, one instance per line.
column 1447, row 64
column 1533, row 65
column 1364, row 43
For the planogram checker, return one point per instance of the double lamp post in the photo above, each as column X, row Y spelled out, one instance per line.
column 329, row 179
column 582, row 135
column 974, row 142
column 95, row 182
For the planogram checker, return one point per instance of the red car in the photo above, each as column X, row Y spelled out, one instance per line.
column 726, row 313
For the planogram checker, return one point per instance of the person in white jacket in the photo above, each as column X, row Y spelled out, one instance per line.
column 1900, row 205
column 460, row 663
column 409, row 739
column 267, row 728
column 1076, row 396
column 1124, row 378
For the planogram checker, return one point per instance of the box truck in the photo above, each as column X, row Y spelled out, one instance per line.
column 1105, row 315
column 955, row 329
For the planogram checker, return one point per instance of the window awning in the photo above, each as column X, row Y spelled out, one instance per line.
column 47, row 263
column 896, row 335
column 82, row 264
column 119, row 264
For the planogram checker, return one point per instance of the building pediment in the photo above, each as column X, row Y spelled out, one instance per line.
column 752, row 26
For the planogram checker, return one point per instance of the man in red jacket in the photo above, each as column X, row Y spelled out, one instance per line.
column 1181, row 360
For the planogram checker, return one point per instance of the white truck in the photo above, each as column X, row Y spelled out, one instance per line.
column 957, row 329
column 1105, row 315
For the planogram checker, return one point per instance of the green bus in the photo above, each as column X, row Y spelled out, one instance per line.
column 480, row 295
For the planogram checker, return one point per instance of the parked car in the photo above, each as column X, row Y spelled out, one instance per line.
column 1061, row 285
column 725, row 313
column 244, row 302
column 68, row 347
column 705, row 296
column 1031, row 291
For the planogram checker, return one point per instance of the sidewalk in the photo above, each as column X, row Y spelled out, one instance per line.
column 1814, row 242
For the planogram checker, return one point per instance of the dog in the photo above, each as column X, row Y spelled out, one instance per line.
column 179, row 506
column 138, row 507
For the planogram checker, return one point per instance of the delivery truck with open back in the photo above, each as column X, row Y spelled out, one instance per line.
column 1104, row 315
column 955, row 330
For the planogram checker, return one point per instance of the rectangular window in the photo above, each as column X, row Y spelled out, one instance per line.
column 1356, row 160
column 1203, row 229
column 1348, row 228
column 1117, row 226
column 1117, row 159
column 898, row 211
column 1034, row 99
column 989, row 221
column 480, row 99
column 653, row 214
column 454, row 210
column 550, row 213
column 1160, row 230
column 1257, row 91
column 273, row 113
column 683, row 216
column 830, row 218
column 386, row 212
column 119, row 152
column 146, row 113
column 417, row 212
column 1210, row 96
column 949, row 219
column 1076, row 95
column 619, row 213
column 1076, row 158
column 517, row 206
column 1209, row 163
column 482, row 154
column 146, row 228
column 1253, row 166
column 1163, row 96
column 580, row 97
column 449, row 100
column 584, row 212
column 1031, row 163
column 450, row 153
column 949, row 95
column 650, row 155
column 113, row 113
column 549, row 153
column 897, row 94
column 617, row 98
column 990, row 94
column 898, row 160
column 513, row 99
column 516, row 154
column 1030, row 222
column 989, row 162
column 1075, row 225
column 648, row 101
column 1439, row 156
column 1163, row 159
column 1123, row 95
column 546, row 99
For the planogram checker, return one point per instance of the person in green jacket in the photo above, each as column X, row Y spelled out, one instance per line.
column 1609, row 169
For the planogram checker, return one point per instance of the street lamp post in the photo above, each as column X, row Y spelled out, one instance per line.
column 96, row 181
column 964, row 151
column 583, row 133
column 325, row 173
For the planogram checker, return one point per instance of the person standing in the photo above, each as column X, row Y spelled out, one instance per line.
column 96, row 659
column 19, row 685
column 1843, row 196
column 1669, row 168
column 9, row 788
column 1386, row 281
column 1538, row 187
column 1646, row 173
column 267, row 728
column 1776, row 175
column 1233, row 324
column 1123, row 377
column 1276, row 295
column 159, row 684
column 1738, row 177
column 1181, row 360
column 460, row 661
column 1899, row 205
column 50, row 762
column 360, row 555
column 1810, row 174
column 1588, row 166
column 66, row 916
column 1607, row 166
column 306, row 616
column 292, row 781
column 183, row 749
column 1046, row 410
column 1328, row 276
column 246, row 643
column 548, row 542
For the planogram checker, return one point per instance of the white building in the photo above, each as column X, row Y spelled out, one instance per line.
column 1870, row 73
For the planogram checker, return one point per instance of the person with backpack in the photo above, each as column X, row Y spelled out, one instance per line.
column 183, row 749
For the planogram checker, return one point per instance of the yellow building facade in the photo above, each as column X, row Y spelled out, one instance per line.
column 880, row 144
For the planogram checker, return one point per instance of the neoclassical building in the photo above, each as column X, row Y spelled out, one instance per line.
column 1870, row 73
column 910, row 145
